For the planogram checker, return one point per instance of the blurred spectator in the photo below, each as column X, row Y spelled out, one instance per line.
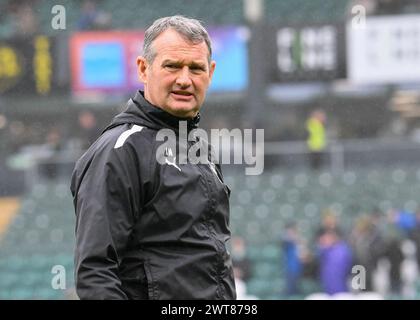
column 405, row 220
column 18, row 135
column 93, row 19
column 393, row 252
column 292, row 259
column 53, row 139
column 241, row 268
column 310, row 266
column 89, row 129
column 395, row 257
column 335, row 259
column 329, row 222
column 53, row 144
column 316, row 138
column 240, row 261
column 368, row 246
column 415, row 236
column 24, row 19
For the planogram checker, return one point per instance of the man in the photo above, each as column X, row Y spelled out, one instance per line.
column 335, row 262
column 88, row 129
column 148, row 227
column 292, row 259
column 316, row 139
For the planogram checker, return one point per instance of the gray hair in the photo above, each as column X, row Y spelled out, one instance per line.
column 190, row 29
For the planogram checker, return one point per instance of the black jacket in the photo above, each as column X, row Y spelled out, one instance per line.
column 146, row 230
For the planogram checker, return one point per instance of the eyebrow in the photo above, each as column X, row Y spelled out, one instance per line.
column 179, row 63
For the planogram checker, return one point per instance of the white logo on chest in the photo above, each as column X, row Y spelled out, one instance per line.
column 168, row 154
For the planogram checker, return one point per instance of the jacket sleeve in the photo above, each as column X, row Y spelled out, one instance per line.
column 107, row 199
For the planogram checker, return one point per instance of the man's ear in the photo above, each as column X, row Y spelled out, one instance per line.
column 142, row 69
column 212, row 67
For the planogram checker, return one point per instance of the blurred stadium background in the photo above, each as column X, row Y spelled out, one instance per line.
column 277, row 62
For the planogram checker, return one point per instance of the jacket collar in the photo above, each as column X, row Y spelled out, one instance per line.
column 158, row 115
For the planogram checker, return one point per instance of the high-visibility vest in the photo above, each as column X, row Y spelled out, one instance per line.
column 316, row 139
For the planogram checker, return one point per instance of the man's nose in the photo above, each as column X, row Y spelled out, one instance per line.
column 183, row 79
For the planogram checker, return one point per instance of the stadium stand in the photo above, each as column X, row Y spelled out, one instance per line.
column 42, row 233
column 309, row 11
column 131, row 15
column 39, row 238
column 263, row 204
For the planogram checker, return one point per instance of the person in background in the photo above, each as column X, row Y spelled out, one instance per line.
column 368, row 246
column 89, row 129
column 23, row 20
column 335, row 262
column 241, row 263
column 92, row 18
column 292, row 260
column 242, row 268
column 316, row 138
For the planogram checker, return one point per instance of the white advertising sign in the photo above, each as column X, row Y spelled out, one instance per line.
column 384, row 50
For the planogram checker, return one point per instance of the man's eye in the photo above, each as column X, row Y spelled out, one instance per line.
column 171, row 66
column 197, row 69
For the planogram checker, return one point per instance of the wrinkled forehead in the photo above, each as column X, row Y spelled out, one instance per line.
column 174, row 46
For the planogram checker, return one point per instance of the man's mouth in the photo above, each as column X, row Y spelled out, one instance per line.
column 182, row 95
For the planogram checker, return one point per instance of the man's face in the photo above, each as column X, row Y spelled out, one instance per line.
column 178, row 77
